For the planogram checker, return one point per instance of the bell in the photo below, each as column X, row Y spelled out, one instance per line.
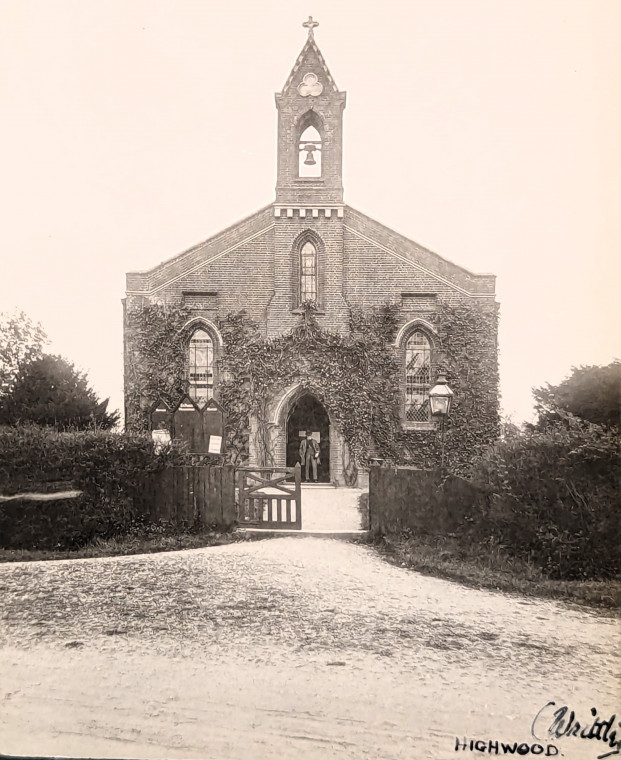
column 309, row 160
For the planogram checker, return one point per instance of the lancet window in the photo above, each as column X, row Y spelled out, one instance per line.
column 417, row 378
column 308, row 272
column 200, row 366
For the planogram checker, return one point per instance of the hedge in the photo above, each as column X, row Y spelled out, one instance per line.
column 550, row 497
column 553, row 497
column 107, row 467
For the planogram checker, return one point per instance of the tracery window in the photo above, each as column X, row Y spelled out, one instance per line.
column 200, row 366
column 417, row 378
column 308, row 272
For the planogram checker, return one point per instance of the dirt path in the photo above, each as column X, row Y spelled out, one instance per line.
column 284, row 648
column 325, row 508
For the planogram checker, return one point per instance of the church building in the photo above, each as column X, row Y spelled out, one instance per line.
column 309, row 257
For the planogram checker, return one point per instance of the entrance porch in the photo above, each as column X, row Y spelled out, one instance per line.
column 292, row 413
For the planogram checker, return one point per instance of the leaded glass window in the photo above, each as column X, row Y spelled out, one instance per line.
column 417, row 378
column 308, row 273
column 200, row 372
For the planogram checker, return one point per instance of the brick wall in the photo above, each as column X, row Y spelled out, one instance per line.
column 360, row 226
column 159, row 282
column 333, row 308
column 258, row 273
column 254, row 266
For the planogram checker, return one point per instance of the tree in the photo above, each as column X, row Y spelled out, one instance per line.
column 49, row 391
column 21, row 341
column 591, row 393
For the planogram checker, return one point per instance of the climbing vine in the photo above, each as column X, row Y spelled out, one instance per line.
column 356, row 376
column 467, row 351
column 155, row 346
column 353, row 376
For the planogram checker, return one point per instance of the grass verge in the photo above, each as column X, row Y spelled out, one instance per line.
column 489, row 567
column 131, row 544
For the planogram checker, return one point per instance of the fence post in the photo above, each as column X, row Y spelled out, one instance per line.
column 228, row 495
column 241, row 503
column 199, row 495
column 372, row 490
column 215, row 494
column 297, row 472
column 188, row 497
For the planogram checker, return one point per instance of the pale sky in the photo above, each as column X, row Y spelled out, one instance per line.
column 485, row 130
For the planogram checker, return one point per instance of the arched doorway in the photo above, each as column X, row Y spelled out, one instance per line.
column 309, row 414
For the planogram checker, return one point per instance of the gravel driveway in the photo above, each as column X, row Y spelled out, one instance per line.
column 285, row 647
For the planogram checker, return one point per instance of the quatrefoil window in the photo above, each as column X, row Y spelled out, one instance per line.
column 310, row 85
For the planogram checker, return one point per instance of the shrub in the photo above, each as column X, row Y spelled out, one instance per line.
column 553, row 498
column 107, row 467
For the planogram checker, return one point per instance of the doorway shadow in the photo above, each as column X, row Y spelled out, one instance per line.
column 308, row 414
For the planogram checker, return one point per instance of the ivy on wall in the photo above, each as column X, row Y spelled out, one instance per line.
column 358, row 378
column 155, row 359
column 466, row 349
column 353, row 376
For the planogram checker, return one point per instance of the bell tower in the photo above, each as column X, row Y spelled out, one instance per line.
column 310, row 131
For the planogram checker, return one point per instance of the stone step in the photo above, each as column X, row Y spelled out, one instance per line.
column 344, row 535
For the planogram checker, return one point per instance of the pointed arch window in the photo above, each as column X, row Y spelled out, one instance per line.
column 309, row 161
column 308, row 272
column 200, row 366
column 417, row 378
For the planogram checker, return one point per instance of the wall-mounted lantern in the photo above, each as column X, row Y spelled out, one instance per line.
column 440, row 398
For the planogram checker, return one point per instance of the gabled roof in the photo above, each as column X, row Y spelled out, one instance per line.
column 362, row 226
column 310, row 53
column 162, row 275
column 421, row 258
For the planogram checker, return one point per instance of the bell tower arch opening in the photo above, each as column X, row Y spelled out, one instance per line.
column 309, row 145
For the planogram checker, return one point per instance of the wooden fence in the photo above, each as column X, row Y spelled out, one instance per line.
column 202, row 495
column 403, row 498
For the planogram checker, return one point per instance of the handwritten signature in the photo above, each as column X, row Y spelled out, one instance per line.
column 562, row 722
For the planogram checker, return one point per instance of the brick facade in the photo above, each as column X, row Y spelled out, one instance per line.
column 255, row 264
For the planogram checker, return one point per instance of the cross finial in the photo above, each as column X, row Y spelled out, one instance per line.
column 310, row 25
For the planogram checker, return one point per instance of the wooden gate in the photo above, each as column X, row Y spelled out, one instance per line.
column 268, row 499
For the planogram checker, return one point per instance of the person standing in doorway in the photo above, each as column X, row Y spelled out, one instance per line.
column 309, row 456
